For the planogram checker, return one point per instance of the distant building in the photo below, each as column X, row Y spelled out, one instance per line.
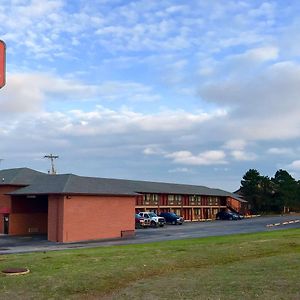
column 72, row 208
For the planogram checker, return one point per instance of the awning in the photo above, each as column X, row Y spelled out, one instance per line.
column 4, row 210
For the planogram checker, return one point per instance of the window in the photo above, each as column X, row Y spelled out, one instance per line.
column 195, row 200
column 174, row 199
column 197, row 213
column 213, row 200
column 217, row 201
column 150, row 199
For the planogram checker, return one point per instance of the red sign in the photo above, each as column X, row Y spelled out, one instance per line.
column 4, row 210
column 2, row 63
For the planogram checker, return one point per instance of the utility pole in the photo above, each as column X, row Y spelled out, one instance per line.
column 52, row 157
column 1, row 161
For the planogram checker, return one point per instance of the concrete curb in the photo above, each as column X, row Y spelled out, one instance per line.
column 283, row 223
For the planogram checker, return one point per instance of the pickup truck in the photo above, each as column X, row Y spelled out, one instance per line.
column 155, row 220
column 141, row 222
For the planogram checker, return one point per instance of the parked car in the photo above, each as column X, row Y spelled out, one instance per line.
column 172, row 218
column 155, row 220
column 228, row 215
column 141, row 222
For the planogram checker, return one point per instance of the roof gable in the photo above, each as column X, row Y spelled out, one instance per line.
column 18, row 176
column 73, row 184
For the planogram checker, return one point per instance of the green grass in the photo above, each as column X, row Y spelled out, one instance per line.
column 252, row 266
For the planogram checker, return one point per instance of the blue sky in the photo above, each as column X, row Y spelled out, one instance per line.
column 180, row 91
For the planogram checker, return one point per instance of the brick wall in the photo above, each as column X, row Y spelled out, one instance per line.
column 55, row 218
column 20, row 224
column 77, row 218
column 5, row 202
column 235, row 204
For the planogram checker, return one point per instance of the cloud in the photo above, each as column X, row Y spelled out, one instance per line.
column 29, row 92
column 280, row 151
column 63, row 27
column 257, row 103
column 295, row 165
column 129, row 91
column 211, row 157
column 243, row 156
column 153, row 150
column 179, row 170
column 117, row 82
column 236, row 144
column 236, row 149
column 104, row 120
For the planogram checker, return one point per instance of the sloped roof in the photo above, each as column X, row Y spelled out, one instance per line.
column 19, row 176
column 73, row 184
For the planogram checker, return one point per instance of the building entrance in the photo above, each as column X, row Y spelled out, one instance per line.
column 5, row 224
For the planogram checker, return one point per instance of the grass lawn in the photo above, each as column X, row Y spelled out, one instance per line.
column 248, row 266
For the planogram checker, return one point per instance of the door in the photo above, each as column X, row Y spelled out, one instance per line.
column 5, row 224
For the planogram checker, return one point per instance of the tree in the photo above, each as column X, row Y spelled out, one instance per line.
column 278, row 194
column 286, row 190
column 250, row 186
column 266, row 195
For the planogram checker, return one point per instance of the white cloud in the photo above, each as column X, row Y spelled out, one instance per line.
column 28, row 92
column 257, row 103
column 211, row 157
column 243, row 156
column 237, row 150
column 104, row 120
column 295, row 165
column 280, row 151
column 153, row 150
column 120, row 79
column 129, row 91
column 236, row 144
column 179, row 170
column 251, row 57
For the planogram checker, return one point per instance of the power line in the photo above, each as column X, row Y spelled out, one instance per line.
column 52, row 157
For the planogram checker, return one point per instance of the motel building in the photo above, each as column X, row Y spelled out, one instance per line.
column 70, row 208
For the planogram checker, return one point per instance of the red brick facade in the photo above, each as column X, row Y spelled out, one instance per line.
column 76, row 218
column 5, row 203
column 191, row 207
column 70, row 218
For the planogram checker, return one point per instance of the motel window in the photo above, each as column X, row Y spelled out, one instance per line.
column 197, row 213
column 192, row 200
column 217, row 200
column 195, row 200
column 178, row 199
column 174, row 199
column 170, row 199
column 150, row 199
column 213, row 200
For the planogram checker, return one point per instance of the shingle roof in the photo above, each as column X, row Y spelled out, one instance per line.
column 73, row 184
column 19, row 176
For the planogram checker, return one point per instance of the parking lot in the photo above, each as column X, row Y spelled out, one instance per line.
column 168, row 232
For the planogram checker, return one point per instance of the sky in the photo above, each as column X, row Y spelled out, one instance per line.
column 190, row 91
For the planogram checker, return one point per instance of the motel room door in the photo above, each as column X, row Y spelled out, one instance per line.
column 188, row 214
column 5, row 224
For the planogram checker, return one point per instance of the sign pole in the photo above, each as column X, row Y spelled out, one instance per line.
column 2, row 63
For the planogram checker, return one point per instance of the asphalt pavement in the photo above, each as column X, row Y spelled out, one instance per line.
column 23, row 244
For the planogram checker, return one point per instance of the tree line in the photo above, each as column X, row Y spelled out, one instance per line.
column 278, row 194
